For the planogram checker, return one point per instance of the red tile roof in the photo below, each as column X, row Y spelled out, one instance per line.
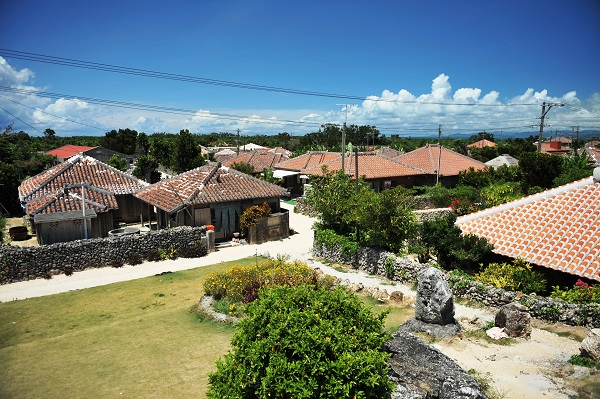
column 370, row 165
column 97, row 199
column 259, row 159
column 558, row 228
column 555, row 148
column 482, row 143
column 426, row 158
column 67, row 151
column 76, row 170
column 209, row 184
column 308, row 160
column 593, row 155
column 281, row 150
column 388, row 152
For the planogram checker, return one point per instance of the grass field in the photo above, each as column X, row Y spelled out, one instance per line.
column 135, row 339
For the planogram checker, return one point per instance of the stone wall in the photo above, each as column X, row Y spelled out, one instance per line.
column 270, row 228
column 27, row 263
column 405, row 270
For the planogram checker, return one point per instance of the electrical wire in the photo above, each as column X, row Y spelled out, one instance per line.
column 14, row 116
column 191, row 79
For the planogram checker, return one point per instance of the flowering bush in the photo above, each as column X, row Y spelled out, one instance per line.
column 582, row 292
column 251, row 215
column 242, row 283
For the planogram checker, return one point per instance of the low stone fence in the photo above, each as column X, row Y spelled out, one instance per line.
column 270, row 228
column 405, row 270
column 27, row 263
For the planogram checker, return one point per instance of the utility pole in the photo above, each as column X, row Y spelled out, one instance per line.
column 544, row 112
column 344, row 137
column 437, row 179
column 238, row 142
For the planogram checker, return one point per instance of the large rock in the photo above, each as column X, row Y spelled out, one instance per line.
column 434, row 303
column 590, row 346
column 420, row 371
column 515, row 319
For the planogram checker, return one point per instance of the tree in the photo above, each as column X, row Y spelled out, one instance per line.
column 453, row 249
column 302, row 342
column 162, row 150
column 118, row 162
column 243, row 167
column 481, row 136
column 143, row 143
column 574, row 167
column 538, row 170
column 123, row 141
column 49, row 134
column 187, row 154
column 146, row 168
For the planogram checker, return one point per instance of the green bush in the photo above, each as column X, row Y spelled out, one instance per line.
column 516, row 276
column 579, row 360
column 302, row 342
column 330, row 238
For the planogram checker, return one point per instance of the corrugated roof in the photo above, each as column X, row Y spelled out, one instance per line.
column 558, row 228
column 69, row 150
column 79, row 169
column 426, row 158
column 209, row 184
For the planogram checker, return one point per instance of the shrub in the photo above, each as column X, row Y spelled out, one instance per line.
column 251, row 215
column 389, row 267
column 330, row 238
column 301, row 342
column 582, row 293
column 516, row 276
column 579, row 360
column 165, row 254
column 242, row 283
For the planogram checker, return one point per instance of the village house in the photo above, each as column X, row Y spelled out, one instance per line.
column 258, row 159
column 54, row 200
column 100, row 153
column 210, row 195
column 558, row 229
column 439, row 164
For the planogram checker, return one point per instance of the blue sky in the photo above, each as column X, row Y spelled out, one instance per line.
column 410, row 53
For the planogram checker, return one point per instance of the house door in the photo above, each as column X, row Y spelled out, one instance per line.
column 202, row 217
column 225, row 219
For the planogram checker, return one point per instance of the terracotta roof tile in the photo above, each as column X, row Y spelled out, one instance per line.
column 76, row 170
column 209, row 184
column 308, row 160
column 558, row 229
column 96, row 199
column 259, row 159
column 427, row 159
column 482, row 143
column 370, row 165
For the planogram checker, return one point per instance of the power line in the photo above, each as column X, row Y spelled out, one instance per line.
column 14, row 116
column 192, row 79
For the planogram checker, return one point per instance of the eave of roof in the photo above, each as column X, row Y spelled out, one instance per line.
column 558, row 228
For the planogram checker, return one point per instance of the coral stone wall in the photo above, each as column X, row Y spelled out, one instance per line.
column 27, row 263
column 405, row 270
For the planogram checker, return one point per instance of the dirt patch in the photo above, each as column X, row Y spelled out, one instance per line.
column 14, row 222
column 525, row 368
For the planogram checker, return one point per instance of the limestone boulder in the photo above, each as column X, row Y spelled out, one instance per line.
column 515, row 319
column 590, row 346
column 434, row 303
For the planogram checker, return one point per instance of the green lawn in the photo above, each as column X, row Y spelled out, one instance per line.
column 135, row 339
